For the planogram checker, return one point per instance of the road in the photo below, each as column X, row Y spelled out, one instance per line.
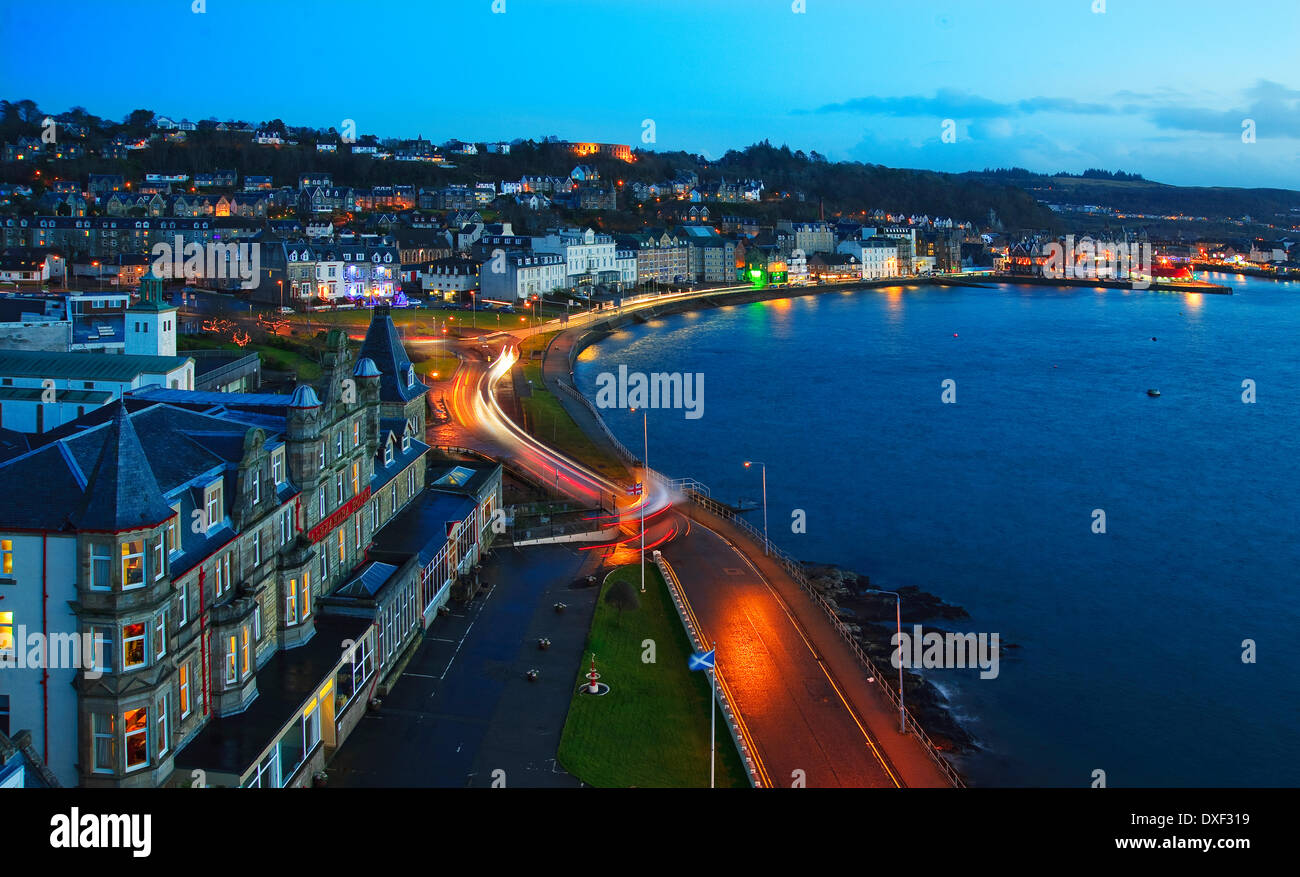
column 795, row 710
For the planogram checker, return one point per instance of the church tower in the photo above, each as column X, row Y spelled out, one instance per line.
column 151, row 322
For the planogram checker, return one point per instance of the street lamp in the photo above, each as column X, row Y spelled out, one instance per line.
column 898, row 615
column 749, row 463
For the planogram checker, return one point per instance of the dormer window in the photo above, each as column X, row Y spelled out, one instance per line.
column 277, row 466
column 406, row 442
column 388, row 454
column 212, row 512
column 410, row 376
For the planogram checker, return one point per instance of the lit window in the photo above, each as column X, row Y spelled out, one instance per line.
column 291, row 603
column 183, row 675
column 244, row 650
column 306, row 593
column 6, row 631
column 232, row 666
column 136, row 726
column 343, row 548
column 132, row 564
column 356, row 478
column 356, row 433
column 6, row 557
column 132, row 646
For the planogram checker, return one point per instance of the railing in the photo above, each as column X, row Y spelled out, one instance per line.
column 796, row 571
column 719, row 686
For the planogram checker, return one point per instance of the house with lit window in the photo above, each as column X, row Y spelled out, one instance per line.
column 179, row 549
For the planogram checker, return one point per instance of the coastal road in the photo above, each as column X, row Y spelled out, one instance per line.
column 795, row 710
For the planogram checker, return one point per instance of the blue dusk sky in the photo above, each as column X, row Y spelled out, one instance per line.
column 1156, row 87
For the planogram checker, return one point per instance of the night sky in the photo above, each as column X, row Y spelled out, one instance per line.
column 1149, row 86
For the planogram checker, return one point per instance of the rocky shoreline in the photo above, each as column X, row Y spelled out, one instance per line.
column 871, row 618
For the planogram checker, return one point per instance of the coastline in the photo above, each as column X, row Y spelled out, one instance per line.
column 925, row 701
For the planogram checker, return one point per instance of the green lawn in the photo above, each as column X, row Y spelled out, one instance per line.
column 530, row 345
column 652, row 729
column 445, row 364
column 272, row 357
column 547, row 420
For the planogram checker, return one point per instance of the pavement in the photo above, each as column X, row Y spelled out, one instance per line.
column 462, row 710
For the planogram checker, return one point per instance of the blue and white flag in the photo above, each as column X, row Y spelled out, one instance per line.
column 701, row 661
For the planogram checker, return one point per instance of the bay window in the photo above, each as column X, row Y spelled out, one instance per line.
column 101, row 568
column 232, row 665
column 133, row 646
column 103, row 741
column 132, row 565
column 135, row 727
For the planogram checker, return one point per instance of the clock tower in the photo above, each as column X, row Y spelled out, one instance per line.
column 151, row 322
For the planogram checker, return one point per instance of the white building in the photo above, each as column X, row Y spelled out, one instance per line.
column 878, row 256
column 586, row 254
column 525, row 274
column 40, row 390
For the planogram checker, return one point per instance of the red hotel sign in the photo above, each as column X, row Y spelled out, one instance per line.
column 341, row 514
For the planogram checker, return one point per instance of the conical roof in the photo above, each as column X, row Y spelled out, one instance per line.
column 121, row 492
column 384, row 347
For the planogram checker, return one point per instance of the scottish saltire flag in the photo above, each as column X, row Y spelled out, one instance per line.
column 701, row 661
column 634, row 490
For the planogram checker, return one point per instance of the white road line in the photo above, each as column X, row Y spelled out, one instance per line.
column 452, row 660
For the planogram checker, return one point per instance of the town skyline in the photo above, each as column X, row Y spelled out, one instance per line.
column 1159, row 114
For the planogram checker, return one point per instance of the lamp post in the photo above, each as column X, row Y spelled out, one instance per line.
column 898, row 616
column 749, row 463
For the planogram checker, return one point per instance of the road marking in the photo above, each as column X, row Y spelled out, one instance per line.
column 452, row 659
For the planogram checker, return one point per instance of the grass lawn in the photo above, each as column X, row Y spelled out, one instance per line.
column 272, row 357
column 445, row 364
column 652, row 729
column 547, row 420
column 530, row 345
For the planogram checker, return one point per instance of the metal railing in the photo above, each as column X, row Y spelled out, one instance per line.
column 719, row 687
column 796, row 571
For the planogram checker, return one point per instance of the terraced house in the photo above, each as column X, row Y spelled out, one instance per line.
column 179, row 546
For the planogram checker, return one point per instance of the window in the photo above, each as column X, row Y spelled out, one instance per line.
column 306, row 594
column 6, row 557
column 132, row 646
column 103, row 736
column 101, row 568
column 356, row 433
column 232, row 667
column 406, row 442
column 136, row 726
column 102, row 637
column 257, row 623
column 170, row 533
column 159, row 558
column 410, row 482
column 277, row 467
column 7, row 632
column 132, row 565
column 374, row 515
column 356, row 478
column 338, row 488
column 324, row 564
column 243, row 650
column 285, row 527
column 161, row 730
column 257, row 548
column 356, row 531
column 320, row 502
column 160, row 634
column 255, row 486
column 388, row 454
column 343, row 548
column 183, row 675
column 221, row 568
column 291, row 603
column 182, row 605
column 338, row 443
column 212, row 506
